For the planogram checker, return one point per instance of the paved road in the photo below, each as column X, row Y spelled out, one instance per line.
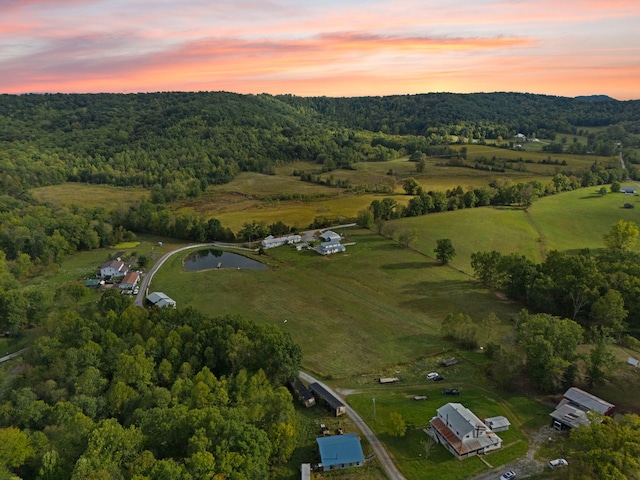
column 385, row 460
column 146, row 279
column 12, row 355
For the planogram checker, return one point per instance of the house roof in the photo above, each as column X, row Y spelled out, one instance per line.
column 330, row 236
column 586, row 401
column 160, row 299
column 303, row 391
column 340, row 449
column 460, row 419
column 459, row 422
column 130, row 278
column 570, row 415
column 117, row 264
column 497, row 422
column 326, row 396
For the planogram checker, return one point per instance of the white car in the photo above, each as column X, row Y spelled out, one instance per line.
column 432, row 375
column 558, row 462
column 508, row 475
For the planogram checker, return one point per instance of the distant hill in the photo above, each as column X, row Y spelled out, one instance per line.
column 596, row 98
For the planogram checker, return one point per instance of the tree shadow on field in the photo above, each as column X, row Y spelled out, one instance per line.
column 427, row 291
column 509, row 208
column 386, row 247
column 592, row 195
column 409, row 265
column 580, row 251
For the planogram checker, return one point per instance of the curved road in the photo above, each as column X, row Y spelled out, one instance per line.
column 385, row 460
column 146, row 280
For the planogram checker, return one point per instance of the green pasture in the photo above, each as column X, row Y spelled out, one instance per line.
column 506, row 229
column 579, row 219
column 89, row 195
column 355, row 313
column 534, row 154
column 567, row 221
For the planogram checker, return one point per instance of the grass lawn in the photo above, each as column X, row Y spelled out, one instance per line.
column 417, row 456
column 355, row 313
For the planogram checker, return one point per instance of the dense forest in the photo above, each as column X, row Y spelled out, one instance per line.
column 116, row 391
column 180, row 143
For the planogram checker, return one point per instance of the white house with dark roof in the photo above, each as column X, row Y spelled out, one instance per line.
column 461, row 432
column 113, row 268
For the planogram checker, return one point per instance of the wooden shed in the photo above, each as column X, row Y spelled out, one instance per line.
column 302, row 392
column 328, row 399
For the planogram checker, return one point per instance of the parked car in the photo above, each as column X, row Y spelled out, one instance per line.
column 432, row 375
column 508, row 475
column 451, row 391
column 438, row 378
column 136, row 290
column 558, row 462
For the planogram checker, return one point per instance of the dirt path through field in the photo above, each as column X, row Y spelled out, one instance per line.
column 542, row 249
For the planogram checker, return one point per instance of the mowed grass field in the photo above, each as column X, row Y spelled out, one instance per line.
column 376, row 305
column 567, row 221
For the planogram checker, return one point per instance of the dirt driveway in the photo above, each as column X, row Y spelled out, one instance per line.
column 526, row 466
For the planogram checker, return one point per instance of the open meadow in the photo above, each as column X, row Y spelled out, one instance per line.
column 375, row 306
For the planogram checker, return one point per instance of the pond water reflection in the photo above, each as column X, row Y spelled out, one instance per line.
column 212, row 258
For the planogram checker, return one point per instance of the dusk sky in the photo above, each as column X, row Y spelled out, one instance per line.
column 330, row 47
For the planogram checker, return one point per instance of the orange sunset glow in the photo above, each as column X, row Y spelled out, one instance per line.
column 348, row 48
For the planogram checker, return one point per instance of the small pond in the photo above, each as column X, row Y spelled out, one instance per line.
column 212, row 258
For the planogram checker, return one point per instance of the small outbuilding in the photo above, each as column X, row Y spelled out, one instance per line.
column 389, row 379
column 303, row 393
column 447, row 362
column 305, row 471
column 340, row 451
column 330, row 236
column 161, row 300
column 497, row 424
column 632, row 361
column 334, row 404
column 629, row 190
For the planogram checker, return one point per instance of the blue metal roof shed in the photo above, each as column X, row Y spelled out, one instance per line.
column 340, row 451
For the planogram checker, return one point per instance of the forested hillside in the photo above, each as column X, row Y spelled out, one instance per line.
column 179, row 143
